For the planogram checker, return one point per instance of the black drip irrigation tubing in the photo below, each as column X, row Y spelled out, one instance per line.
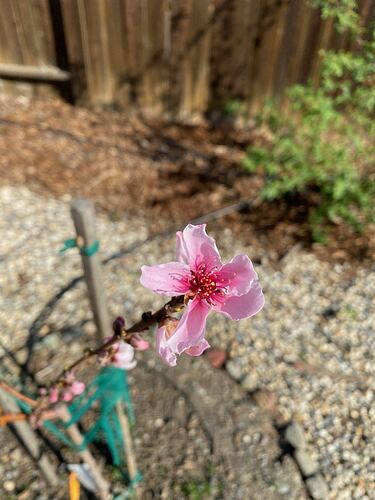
column 49, row 306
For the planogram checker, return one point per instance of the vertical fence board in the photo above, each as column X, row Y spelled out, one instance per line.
column 268, row 45
column 325, row 36
column 231, row 48
column 93, row 17
column 291, row 54
column 152, row 84
column 195, row 67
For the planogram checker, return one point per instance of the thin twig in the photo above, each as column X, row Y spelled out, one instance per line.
column 10, row 390
column 147, row 320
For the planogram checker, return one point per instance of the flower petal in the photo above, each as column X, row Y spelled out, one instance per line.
column 168, row 279
column 195, row 247
column 190, row 329
column 162, row 348
column 238, row 275
column 243, row 306
column 198, row 349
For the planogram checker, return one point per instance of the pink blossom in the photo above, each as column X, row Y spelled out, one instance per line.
column 198, row 273
column 77, row 388
column 139, row 343
column 124, row 357
column 120, row 354
column 69, row 390
column 54, row 395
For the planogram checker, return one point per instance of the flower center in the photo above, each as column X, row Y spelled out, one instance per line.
column 206, row 284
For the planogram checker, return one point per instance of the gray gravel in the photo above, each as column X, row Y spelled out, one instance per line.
column 312, row 345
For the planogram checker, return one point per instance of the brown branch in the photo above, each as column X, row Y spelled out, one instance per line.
column 147, row 320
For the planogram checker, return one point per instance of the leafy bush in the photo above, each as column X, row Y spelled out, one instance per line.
column 322, row 141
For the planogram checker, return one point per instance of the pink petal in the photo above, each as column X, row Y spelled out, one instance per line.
column 124, row 357
column 190, row 329
column 194, row 247
column 168, row 279
column 67, row 396
column 238, row 275
column 77, row 388
column 54, row 395
column 162, row 348
column 198, row 349
column 243, row 306
column 139, row 343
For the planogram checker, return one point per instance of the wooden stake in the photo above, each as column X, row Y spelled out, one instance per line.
column 30, row 440
column 84, row 220
column 128, row 446
column 75, row 435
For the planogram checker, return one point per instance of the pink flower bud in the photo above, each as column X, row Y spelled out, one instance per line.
column 77, row 388
column 118, row 325
column 67, row 396
column 54, row 395
column 139, row 343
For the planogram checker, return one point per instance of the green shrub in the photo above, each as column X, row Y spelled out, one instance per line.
column 322, row 141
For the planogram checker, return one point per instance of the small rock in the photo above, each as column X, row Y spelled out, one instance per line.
column 283, row 489
column 159, row 423
column 9, row 486
column 266, row 400
column 307, row 465
column 234, row 370
column 246, row 439
column 317, row 487
column 250, row 382
column 216, row 357
column 295, row 436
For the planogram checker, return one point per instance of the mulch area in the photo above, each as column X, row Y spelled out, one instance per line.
column 169, row 173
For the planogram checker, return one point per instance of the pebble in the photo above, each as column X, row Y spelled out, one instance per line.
column 295, row 436
column 305, row 462
column 251, row 382
column 317, row 487
column 9, row 486
column 159, row 423
column 234, row 370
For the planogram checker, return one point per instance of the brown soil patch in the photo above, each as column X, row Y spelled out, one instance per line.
column 168, row 173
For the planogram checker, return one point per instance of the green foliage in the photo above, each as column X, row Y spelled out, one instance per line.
column 344, row 12
column 234, row 108
column 323, row 141
column 196, row 490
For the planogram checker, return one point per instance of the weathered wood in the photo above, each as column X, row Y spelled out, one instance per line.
column 269, row 39
column 195, row 67
column 84, row 220
column 43, row 73
column 170, row 57
column 93, row 17
column 128, row 446
column 75, row 435
column 30, row 440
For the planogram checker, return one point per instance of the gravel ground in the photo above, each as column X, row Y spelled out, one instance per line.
column 312, row 345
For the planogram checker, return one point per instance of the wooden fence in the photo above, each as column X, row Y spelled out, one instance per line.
column 171, row 57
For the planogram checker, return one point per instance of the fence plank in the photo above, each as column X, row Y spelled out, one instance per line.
column 195, row 66
column 93, row 17
column 268, row 44
column 231, row 49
